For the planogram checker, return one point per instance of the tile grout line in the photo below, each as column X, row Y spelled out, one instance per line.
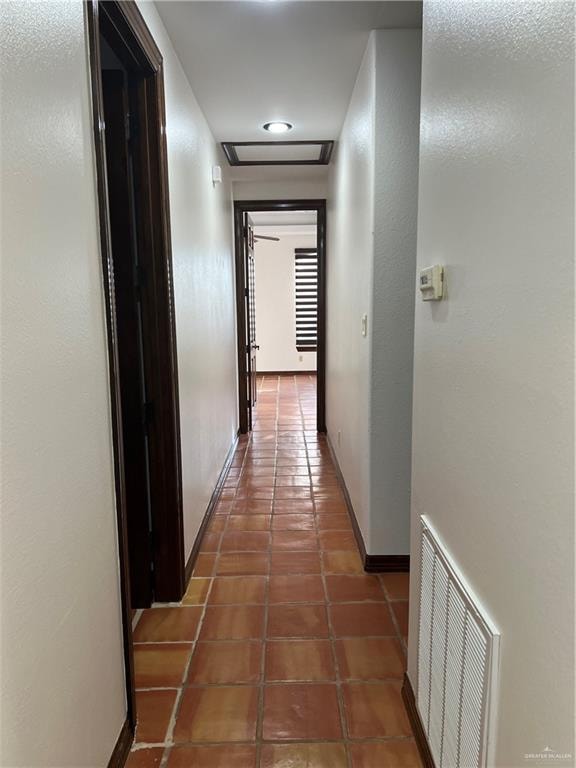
column 260, row 704
column 168, row 737
column 331, row 634
column 261, row 688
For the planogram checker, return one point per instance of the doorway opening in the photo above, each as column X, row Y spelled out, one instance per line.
column 131, row 160
column 280, row 249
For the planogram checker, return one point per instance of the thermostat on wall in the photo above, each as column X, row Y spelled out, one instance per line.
column 432, row 283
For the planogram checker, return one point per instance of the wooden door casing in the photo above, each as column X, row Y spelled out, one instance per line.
column 241, row 210
column 250, row 314
column 132, row 386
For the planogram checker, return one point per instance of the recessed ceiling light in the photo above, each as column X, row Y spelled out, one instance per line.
column 277, row 127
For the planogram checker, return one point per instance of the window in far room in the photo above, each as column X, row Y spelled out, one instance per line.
column 306, row 291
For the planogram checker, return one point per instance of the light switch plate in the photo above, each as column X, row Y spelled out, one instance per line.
column 216, row 174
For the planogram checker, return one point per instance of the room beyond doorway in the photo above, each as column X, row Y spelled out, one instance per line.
column 286, row 291
column 280, row 296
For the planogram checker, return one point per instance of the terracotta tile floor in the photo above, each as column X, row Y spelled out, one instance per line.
column 283, row 653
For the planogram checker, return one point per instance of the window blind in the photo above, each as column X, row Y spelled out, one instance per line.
column 306, row 279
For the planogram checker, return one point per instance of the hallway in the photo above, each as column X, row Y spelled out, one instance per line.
column 283, row 653
column 175, row 597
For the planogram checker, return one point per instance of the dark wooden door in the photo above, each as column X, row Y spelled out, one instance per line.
column 127, row 297
column 251, row 345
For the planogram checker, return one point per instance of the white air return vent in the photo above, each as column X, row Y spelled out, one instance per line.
column 458, row 648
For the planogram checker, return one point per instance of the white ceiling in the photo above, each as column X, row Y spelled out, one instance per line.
column 253, row 62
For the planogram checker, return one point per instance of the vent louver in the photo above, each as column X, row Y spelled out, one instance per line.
column 457, row 661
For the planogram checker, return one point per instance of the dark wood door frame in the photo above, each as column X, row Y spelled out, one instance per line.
column 121, row 22
column 251, row 346
column 119, row 153
column 247, row 206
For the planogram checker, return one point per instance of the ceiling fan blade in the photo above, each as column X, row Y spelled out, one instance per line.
column 266, row 237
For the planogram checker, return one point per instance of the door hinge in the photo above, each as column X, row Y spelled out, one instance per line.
column 148, row 413
column 132, row 126
column 246, row 292
column 139, row 276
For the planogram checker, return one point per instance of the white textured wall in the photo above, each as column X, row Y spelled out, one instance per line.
column 297, row 188
column 276, row 303
column 371, row 261
column 63, row 700
column 493, row 463
column 397, row 123
column 202, row 251
column 350, row 254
